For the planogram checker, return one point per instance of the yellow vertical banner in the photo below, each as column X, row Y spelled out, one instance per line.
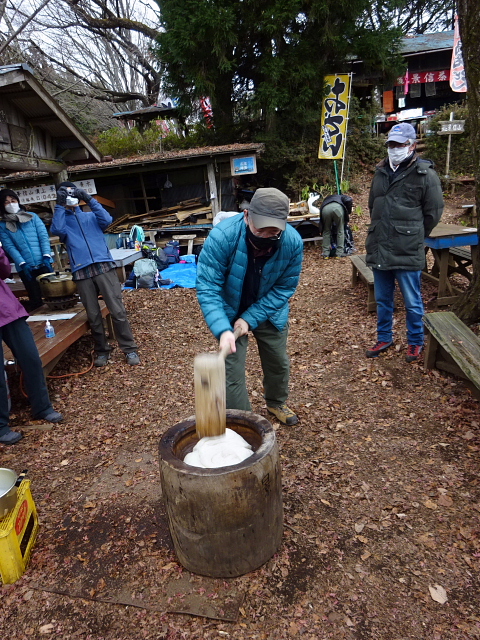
column 334, row 117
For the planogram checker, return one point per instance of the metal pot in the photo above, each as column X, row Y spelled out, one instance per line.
column 9, row 481
column 56, row 285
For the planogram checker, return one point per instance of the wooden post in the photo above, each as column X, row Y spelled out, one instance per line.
column 212, row 183
column 447, row 165
column 61, row 176
column 145, row 199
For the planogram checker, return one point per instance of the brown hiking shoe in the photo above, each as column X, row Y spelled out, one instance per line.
column 283, row 414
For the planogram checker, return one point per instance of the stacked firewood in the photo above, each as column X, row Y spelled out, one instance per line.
column 187, row 212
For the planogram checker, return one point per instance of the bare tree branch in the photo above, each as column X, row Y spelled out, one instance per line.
column 112, row 22
column 5, row 44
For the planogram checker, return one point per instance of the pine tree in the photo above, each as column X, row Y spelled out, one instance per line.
column 265, row 60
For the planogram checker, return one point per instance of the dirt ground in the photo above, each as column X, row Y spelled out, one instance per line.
column 380, row 486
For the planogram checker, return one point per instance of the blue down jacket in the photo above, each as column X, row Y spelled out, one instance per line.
column 28, row 243
column 82, row 233
column 221, row 271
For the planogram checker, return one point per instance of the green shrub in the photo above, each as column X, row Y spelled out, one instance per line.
column 120, row 142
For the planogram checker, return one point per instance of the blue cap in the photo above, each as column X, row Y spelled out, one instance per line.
column 402, row 132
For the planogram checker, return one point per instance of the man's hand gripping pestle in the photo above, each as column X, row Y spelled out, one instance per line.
column 210, row 391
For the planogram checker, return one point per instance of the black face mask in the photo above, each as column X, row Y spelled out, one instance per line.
column 263, row 243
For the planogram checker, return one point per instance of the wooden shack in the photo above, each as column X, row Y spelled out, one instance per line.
column 35, row 133
column 169, row 192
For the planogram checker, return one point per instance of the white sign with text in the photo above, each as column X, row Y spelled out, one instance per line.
column 49, row 192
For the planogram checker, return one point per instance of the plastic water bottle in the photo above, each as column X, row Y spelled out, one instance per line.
column 49, row 330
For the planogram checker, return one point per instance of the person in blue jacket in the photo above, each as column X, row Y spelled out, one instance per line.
column 93, row 268
column 25, row 239
column 247, row 272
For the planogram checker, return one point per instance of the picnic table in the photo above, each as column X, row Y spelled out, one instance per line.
column 123, row 257
column 442, row 242
column 66, row 333
column 305, row 220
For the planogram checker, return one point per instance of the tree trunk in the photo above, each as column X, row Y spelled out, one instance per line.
column 222, row 107
column 468, row 307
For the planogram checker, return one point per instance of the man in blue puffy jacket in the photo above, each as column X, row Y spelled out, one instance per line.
column 93, row 268
column 247, row 272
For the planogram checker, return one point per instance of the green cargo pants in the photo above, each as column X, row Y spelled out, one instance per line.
column 272, row 347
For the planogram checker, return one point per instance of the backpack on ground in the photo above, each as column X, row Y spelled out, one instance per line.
column 348, row 247
column 172, row 251
column 146, row 273
column 158, row 255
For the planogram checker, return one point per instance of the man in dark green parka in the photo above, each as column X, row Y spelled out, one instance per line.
column 405, row 203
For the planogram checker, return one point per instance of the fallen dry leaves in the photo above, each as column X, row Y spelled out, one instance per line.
column 380, row 476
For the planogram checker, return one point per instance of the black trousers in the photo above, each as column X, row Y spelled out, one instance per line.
column 19, row 338
column 33, row 288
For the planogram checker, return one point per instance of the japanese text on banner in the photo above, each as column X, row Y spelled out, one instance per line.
column 334, row 117
column 458, row 81
column 49, row 192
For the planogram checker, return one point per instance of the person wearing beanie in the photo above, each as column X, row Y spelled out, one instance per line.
column 93, row 268
column 247, row 272
column 25, row 239
column 17, row 335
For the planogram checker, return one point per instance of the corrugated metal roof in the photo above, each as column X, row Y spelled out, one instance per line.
column 232, row 149
column 178, row 154
column 15, row 67
column 427, row 42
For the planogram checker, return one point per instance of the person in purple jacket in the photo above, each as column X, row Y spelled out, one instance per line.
column 17, row 335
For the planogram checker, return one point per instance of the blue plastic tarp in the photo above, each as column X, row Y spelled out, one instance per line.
column 182, row 275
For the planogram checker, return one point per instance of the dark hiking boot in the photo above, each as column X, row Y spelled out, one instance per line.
column 11, row 437
column 53, row 416
column 132, row 358
column 101, row 360
column 50, row 416
column 413, row 351
column 378, row 348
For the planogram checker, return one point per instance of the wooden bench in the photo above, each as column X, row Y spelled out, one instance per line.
column 462, row 258
column 471, row 210
column 66, row 333
column 365, row 273
column 452, row 347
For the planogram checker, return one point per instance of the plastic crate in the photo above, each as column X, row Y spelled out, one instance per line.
column 18, row 532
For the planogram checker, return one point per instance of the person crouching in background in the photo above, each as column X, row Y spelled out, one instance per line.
column 25, row 239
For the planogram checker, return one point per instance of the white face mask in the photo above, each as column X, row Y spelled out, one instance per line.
column 72, row 202
column 12, row 207
column 398, row 154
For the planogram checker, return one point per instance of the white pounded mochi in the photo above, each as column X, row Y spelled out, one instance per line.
column 219, row 451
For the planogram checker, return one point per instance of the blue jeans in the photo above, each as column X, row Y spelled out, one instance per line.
column 409, row 283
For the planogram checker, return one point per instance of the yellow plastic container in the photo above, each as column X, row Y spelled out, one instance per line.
column 18, row 532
